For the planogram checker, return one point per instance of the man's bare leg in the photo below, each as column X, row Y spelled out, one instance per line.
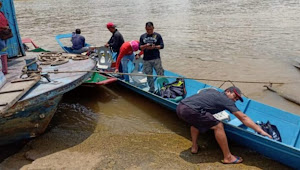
column 223, row 143
column 194, row 135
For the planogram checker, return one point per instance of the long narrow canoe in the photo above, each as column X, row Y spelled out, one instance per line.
column 288, row 124
column 64, row 47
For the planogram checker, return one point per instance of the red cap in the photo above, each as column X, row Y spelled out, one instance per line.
column 110, row 25
column 237, row 92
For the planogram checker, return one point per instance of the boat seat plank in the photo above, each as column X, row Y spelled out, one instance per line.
column 10, row 93
column 297, row 141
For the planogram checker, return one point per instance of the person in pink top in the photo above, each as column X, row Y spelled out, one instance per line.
column 126, row 54
column 3, row 25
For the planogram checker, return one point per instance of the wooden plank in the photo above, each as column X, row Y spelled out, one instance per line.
column 10, row 93
column 21, row 80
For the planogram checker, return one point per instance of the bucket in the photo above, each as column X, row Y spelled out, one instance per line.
column 4, row 62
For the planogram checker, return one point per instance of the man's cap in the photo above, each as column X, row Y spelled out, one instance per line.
column 237, row 92
column 135, row 45
column 110, row 25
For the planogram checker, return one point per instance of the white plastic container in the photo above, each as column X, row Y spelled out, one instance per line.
column 2, row 79
column 2, row 76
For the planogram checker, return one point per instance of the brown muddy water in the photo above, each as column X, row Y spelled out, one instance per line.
column 111, row 127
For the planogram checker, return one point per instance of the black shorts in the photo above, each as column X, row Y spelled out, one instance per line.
column 203, row 120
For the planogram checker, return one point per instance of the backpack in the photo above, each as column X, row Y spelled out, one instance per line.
column 174, row 89
column 271, row 130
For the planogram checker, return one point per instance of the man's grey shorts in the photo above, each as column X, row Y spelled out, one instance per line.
column 203, row 121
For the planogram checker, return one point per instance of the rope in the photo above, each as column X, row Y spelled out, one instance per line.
column 57, row 58
column 232, row 85
column 147, row 75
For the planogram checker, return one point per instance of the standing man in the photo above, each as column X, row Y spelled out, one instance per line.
column 198, row 110
column 78, row 42
column 116, row 40
column 151, row 42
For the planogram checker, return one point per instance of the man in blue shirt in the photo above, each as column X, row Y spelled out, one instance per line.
column 78, row 42
column 151, row 42
column 198, row 110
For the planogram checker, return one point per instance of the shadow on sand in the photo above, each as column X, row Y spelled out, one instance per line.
column 72, row 124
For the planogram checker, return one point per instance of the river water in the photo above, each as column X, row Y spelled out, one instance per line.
column 112, row 128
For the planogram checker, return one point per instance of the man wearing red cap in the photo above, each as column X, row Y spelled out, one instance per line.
column 198, row 111
column 126, row 54
column 116, row 40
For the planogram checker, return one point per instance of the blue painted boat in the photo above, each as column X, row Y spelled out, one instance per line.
column 30, row 116
column 286, row 152
column 64, row 47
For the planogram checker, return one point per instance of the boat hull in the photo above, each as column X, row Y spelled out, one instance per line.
column 272, row 149
column 98, row 79
column 28, row 123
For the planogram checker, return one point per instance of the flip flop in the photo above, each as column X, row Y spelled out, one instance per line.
column 194, row 152
column 237, row 161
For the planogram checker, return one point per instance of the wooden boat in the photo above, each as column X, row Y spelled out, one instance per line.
column 31, row 114
column 286, row 152
column 35, row 47
column 99, row 79
column 66, row 48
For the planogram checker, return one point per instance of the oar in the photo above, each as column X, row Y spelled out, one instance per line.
column 289, row 98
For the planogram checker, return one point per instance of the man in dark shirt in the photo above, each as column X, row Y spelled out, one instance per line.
column 78, row 42
column 116, row 40
column 151, row 42
column 198, row 110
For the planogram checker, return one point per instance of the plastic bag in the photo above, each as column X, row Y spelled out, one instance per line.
column 271, row 130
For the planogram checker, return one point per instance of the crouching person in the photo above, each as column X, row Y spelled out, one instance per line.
column 198, row 110
column 127, row 54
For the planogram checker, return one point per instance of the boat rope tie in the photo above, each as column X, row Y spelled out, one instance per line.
column 147, row 75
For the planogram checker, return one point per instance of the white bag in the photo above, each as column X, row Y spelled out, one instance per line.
column 223, row 115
